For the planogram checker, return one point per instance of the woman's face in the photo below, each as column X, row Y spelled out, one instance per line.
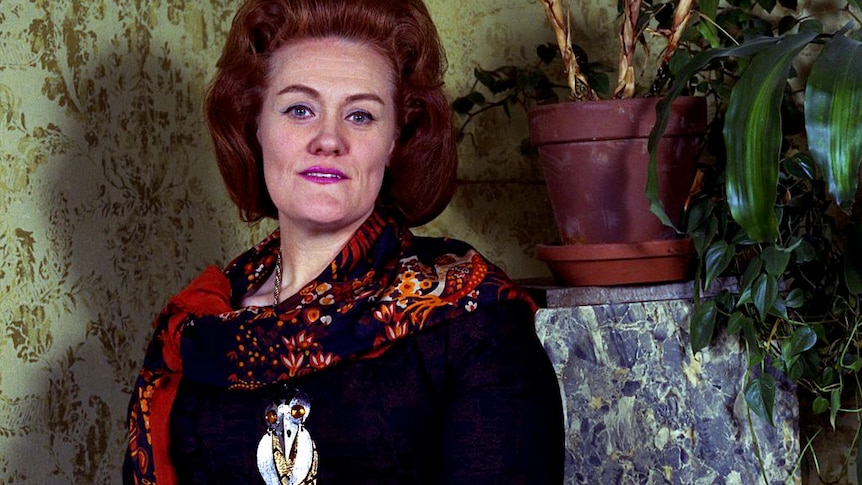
column 327, row 127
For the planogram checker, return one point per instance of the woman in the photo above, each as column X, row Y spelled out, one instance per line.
column 342, row 349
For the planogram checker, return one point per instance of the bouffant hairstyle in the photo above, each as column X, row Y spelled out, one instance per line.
column 420, row 179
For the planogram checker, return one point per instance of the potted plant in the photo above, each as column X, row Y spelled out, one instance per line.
column 593, row 149
column 779, row 211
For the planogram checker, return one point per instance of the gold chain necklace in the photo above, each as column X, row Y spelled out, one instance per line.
column 277, row 290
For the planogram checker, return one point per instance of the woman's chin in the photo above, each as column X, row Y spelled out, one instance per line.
column 326, row 219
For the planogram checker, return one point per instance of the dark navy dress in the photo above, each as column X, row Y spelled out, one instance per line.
column 470, row 401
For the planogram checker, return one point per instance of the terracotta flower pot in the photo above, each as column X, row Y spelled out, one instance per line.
column 594, row 156
column 619, row 263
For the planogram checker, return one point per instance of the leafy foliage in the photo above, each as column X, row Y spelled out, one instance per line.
column 542, row 82
column 795, row 307
column 775, row 209
column 522, row 87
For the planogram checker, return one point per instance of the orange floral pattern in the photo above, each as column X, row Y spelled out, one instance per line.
column 384, row 286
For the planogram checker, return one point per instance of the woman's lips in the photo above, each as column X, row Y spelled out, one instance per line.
column 323, row 175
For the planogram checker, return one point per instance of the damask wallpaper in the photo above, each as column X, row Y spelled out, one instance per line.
column 110, row 201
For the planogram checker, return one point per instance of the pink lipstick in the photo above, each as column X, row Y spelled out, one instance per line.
column 323, row 175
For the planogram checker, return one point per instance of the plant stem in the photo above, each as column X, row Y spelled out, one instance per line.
column 578, row 85
column 681, row 16
column 628, row 40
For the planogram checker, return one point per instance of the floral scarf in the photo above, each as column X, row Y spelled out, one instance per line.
column 385, row 285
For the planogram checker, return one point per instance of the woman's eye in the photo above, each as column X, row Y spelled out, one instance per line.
column 298, row 111
column 360, row 117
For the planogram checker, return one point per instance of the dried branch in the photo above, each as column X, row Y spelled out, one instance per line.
column 628, row 41
column 578, row 85
column 681, row 16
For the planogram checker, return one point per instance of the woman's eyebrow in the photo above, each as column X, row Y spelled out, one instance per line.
column 301, row 88
column 366, row 97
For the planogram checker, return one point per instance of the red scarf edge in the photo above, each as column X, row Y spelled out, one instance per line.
column 209, row 291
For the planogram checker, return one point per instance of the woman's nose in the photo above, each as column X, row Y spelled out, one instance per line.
column 329, row 139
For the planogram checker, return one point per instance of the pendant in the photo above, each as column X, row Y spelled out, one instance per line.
column 287, row 455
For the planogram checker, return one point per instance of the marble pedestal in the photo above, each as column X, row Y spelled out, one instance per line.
column 641, row 409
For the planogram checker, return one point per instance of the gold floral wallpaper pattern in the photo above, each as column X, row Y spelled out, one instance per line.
column 110, row 201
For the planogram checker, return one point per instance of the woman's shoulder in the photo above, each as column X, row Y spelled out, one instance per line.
column 510, row 322
column 501, row 318
column 441, row 244
column 449, row 256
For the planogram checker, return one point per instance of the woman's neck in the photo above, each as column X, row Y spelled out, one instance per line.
column 307, row 251
column 303, row 260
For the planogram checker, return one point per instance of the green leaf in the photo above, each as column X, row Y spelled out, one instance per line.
column 746, row 323
column 764, row 291
column 775, row 260
column 849, row 361
column 678, row 61
column 463, row 105
column 738, row 321
column 477, row 98
column 795, row 299
column 752, row 137
column 702, row 237
column 835, row 406
column 752, row 271
column 760, row 396
column 786, row 24
column 546, row 52
column 718, row 257
column 740, row 238
column 767, row 5
column 795, row 370
column 820, row 405
column 486, row 78
column 853, row 259
column 779, row 308
column 702, row 325
column 794, row 243
column 756, row 357
column 805, row 252
column 802, row 339
column 829, row 377
column 812, row 25
column 810, row 361
column 698, row 214
column 710, row 33
column 745, row 296
column 708, row 9
column 600, row 82
column 698, row 62
column 800, row 165
column 833, row 103
column 724, row 301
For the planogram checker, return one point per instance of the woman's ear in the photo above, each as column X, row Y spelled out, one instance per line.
column 391, row 151
column 395, row 138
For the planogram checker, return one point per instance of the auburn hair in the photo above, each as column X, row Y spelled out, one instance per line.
column 420, row 179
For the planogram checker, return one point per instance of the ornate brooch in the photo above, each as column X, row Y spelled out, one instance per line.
column 287, row 455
